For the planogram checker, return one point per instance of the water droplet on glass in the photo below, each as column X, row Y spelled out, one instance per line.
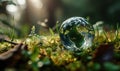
column 76, row 34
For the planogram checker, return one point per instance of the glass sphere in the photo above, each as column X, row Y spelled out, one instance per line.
column 76, row 34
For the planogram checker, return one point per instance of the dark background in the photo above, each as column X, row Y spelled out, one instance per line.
column 51, row 11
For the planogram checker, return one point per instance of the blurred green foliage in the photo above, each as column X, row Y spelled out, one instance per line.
column 97, row 10
column 107, row 11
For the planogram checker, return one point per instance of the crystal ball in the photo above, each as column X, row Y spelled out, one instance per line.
column 76, row 34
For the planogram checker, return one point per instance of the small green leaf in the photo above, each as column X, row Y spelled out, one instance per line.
column 51, row 31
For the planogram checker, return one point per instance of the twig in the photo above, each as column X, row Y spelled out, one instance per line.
column 4, row 40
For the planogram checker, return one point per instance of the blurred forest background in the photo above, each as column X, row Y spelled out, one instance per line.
column 18, row 16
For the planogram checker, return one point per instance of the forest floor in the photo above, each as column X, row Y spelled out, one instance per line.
column 46, row 53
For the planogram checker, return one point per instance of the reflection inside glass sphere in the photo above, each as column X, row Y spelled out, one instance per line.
column 76, row 34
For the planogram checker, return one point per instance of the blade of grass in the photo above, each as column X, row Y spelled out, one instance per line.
column 57, row 26
column 51, row 31
column 105, row 35
column 116, row 33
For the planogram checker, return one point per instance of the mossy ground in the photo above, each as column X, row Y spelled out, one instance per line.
column 46, row 53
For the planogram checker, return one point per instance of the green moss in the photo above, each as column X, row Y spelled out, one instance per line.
column 47, row 52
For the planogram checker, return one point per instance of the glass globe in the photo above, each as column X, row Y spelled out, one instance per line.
column 76, row 34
